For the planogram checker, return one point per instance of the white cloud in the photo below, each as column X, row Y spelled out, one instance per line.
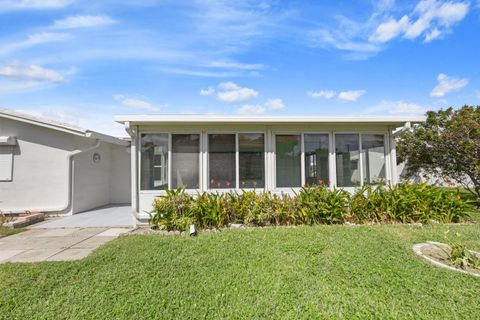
column 430, row 18
column 207, row 91
column 389, row 30
column 33, row 4
column 17, row 71
column 234, row 93
column 136, row 103
column 327, row 94
column 228, row 86
column 446, row 84
column 275, row 104
column 82, row 21
column 340, row 39
column 251, row 109
column 33, row 40
column 397, row 108
column 351, row 95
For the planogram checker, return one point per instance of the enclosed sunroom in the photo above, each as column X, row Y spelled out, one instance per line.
column 279, row 154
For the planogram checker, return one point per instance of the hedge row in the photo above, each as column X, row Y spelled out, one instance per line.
column 405, row 203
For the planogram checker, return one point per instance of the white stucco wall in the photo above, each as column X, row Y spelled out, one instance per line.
column 120, row 175
column 41, row 169
column 91, row 187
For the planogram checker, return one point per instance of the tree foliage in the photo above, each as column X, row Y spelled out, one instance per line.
column 446, row 145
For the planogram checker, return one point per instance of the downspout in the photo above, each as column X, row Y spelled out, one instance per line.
column 133, row 168
column 68, row 201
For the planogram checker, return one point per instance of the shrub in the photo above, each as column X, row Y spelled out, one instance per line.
column 320, row 205
column 405, row 203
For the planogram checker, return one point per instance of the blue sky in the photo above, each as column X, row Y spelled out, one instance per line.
column 83, row 63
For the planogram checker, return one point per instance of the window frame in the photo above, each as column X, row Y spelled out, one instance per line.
column 199, row 158
column 264, row 133
column 329, row 134
column 386, row 154
column 360, row 149
column 237, row 161
column 169, row 162
column 302, row 157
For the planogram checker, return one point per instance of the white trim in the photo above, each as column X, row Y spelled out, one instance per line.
column 205, row 119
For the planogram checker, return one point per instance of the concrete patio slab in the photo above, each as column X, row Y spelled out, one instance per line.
column 70, row 254
column 7, row 254
column 56, row 233
column 37, row 245
column 112, row 232
column 108, row 217
column 34, row 255
column 93, row 242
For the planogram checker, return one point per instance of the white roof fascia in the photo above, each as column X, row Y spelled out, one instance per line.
column 206, row 119
column 107, row 138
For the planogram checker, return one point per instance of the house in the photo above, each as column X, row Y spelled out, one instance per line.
column 58, row 168
column 279, row 154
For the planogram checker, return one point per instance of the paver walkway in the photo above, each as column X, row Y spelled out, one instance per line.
column 37, row 245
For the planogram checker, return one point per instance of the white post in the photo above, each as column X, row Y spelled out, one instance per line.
column 393, row 159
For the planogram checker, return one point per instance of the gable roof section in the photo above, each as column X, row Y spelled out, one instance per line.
column 60, row 126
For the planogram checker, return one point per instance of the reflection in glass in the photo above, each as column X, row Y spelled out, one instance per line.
column 347, row 160
column 185, row 160
column 373, row 158
column 154, row 161
column 221, row 161
column 316, row 159
column 251, row 148
column 287, row 149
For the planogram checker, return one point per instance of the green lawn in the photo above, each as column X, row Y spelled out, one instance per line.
column 290, row 273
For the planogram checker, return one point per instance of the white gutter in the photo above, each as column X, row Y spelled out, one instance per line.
column 406, row 127
column 68, row 201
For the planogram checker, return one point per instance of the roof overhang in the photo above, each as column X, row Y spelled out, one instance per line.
column 225, row 119
column 62, row 127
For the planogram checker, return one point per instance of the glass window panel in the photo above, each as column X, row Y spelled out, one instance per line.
column 251, row 156
column 288, row 172
column 373, row 153
column 347, row 160
column 154, row 161
column 316, row 158
column 185, row 160
column 221, row 161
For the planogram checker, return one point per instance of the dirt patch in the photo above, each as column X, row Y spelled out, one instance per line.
column 439, row 255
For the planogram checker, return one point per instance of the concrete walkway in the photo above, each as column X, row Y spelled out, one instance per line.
column 104, row 217
column 36, row 245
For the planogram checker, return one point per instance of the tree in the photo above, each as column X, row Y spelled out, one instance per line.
column 446, row 145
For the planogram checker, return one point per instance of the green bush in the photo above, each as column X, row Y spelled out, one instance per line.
column 405, row 203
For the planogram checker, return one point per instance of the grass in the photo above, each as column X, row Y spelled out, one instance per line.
column 4, row 232
column 350, row 272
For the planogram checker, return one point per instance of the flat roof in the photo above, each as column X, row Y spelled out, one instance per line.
column 235, row 119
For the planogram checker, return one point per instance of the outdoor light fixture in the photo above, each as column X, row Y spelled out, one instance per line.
column 193, row 231
column 96, row 157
